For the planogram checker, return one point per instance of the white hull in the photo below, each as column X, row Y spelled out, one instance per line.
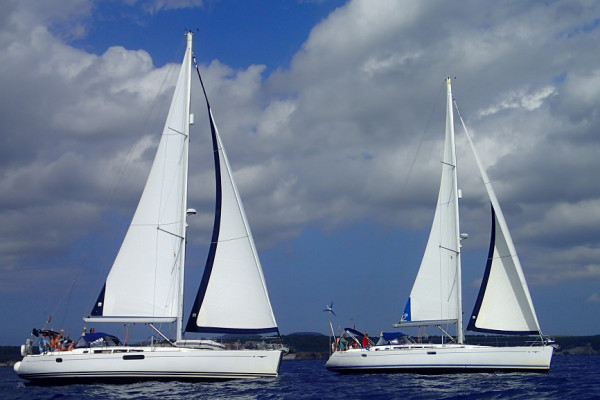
column 148, row 363
column 437, row 359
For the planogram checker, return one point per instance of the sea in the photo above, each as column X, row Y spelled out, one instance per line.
column 570, row 377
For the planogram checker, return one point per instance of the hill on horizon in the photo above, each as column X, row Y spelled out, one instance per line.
column 305, row 334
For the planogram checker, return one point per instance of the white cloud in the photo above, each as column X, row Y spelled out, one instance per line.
column 521, row 99
column 350, row 131
column 594, row 298
column 155, row 6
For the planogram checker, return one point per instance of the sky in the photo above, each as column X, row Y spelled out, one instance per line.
column 332, row 114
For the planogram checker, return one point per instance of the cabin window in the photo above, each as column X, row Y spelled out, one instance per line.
column 133, row 357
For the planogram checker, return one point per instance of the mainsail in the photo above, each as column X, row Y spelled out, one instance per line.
column 145, row 281
column 434, row 295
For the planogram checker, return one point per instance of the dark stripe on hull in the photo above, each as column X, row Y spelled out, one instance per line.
column 442, row 370
column 51, row 379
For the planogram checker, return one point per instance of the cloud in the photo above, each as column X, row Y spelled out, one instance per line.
column 520, row 99
column 594, row 298
column 64, row 17
column 350, row 131
column 155, row 6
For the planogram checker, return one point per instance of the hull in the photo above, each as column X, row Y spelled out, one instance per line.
column 440, row 359
column 122, row 364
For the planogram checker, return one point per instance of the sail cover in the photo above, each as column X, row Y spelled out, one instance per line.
column 144, row 282
column 434, row 293
column 232, row 297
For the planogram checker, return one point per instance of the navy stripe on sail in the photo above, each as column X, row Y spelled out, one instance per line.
column 498, row 331
column 214, row 329
column 486, row 277
column 191, row 324
column 99, row 306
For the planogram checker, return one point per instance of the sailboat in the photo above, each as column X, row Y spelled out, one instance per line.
column 146, row 281
column 503, row 306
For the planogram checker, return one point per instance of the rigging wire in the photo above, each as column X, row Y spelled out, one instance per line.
column 70, row 292
column 366, row 287
column 67, row 295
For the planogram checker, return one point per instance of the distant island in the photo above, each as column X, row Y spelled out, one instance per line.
column 315, row 346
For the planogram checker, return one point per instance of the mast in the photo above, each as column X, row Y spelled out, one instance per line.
column 450, row 129
column 186, row 133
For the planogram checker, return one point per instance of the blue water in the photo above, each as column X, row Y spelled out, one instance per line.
column 570, row 377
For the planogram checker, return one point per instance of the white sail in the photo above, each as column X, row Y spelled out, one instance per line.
column 233, row 295
column 434, row 295
column 145, row 281
column 504, row 304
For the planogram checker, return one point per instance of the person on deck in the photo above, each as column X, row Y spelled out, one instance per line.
column 44, row 344
column 55, row 340
column 343, row 343
column 365, row 340
column 66, row 344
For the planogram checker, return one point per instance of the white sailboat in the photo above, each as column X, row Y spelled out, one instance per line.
column 503, row 305
column 145, row 283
